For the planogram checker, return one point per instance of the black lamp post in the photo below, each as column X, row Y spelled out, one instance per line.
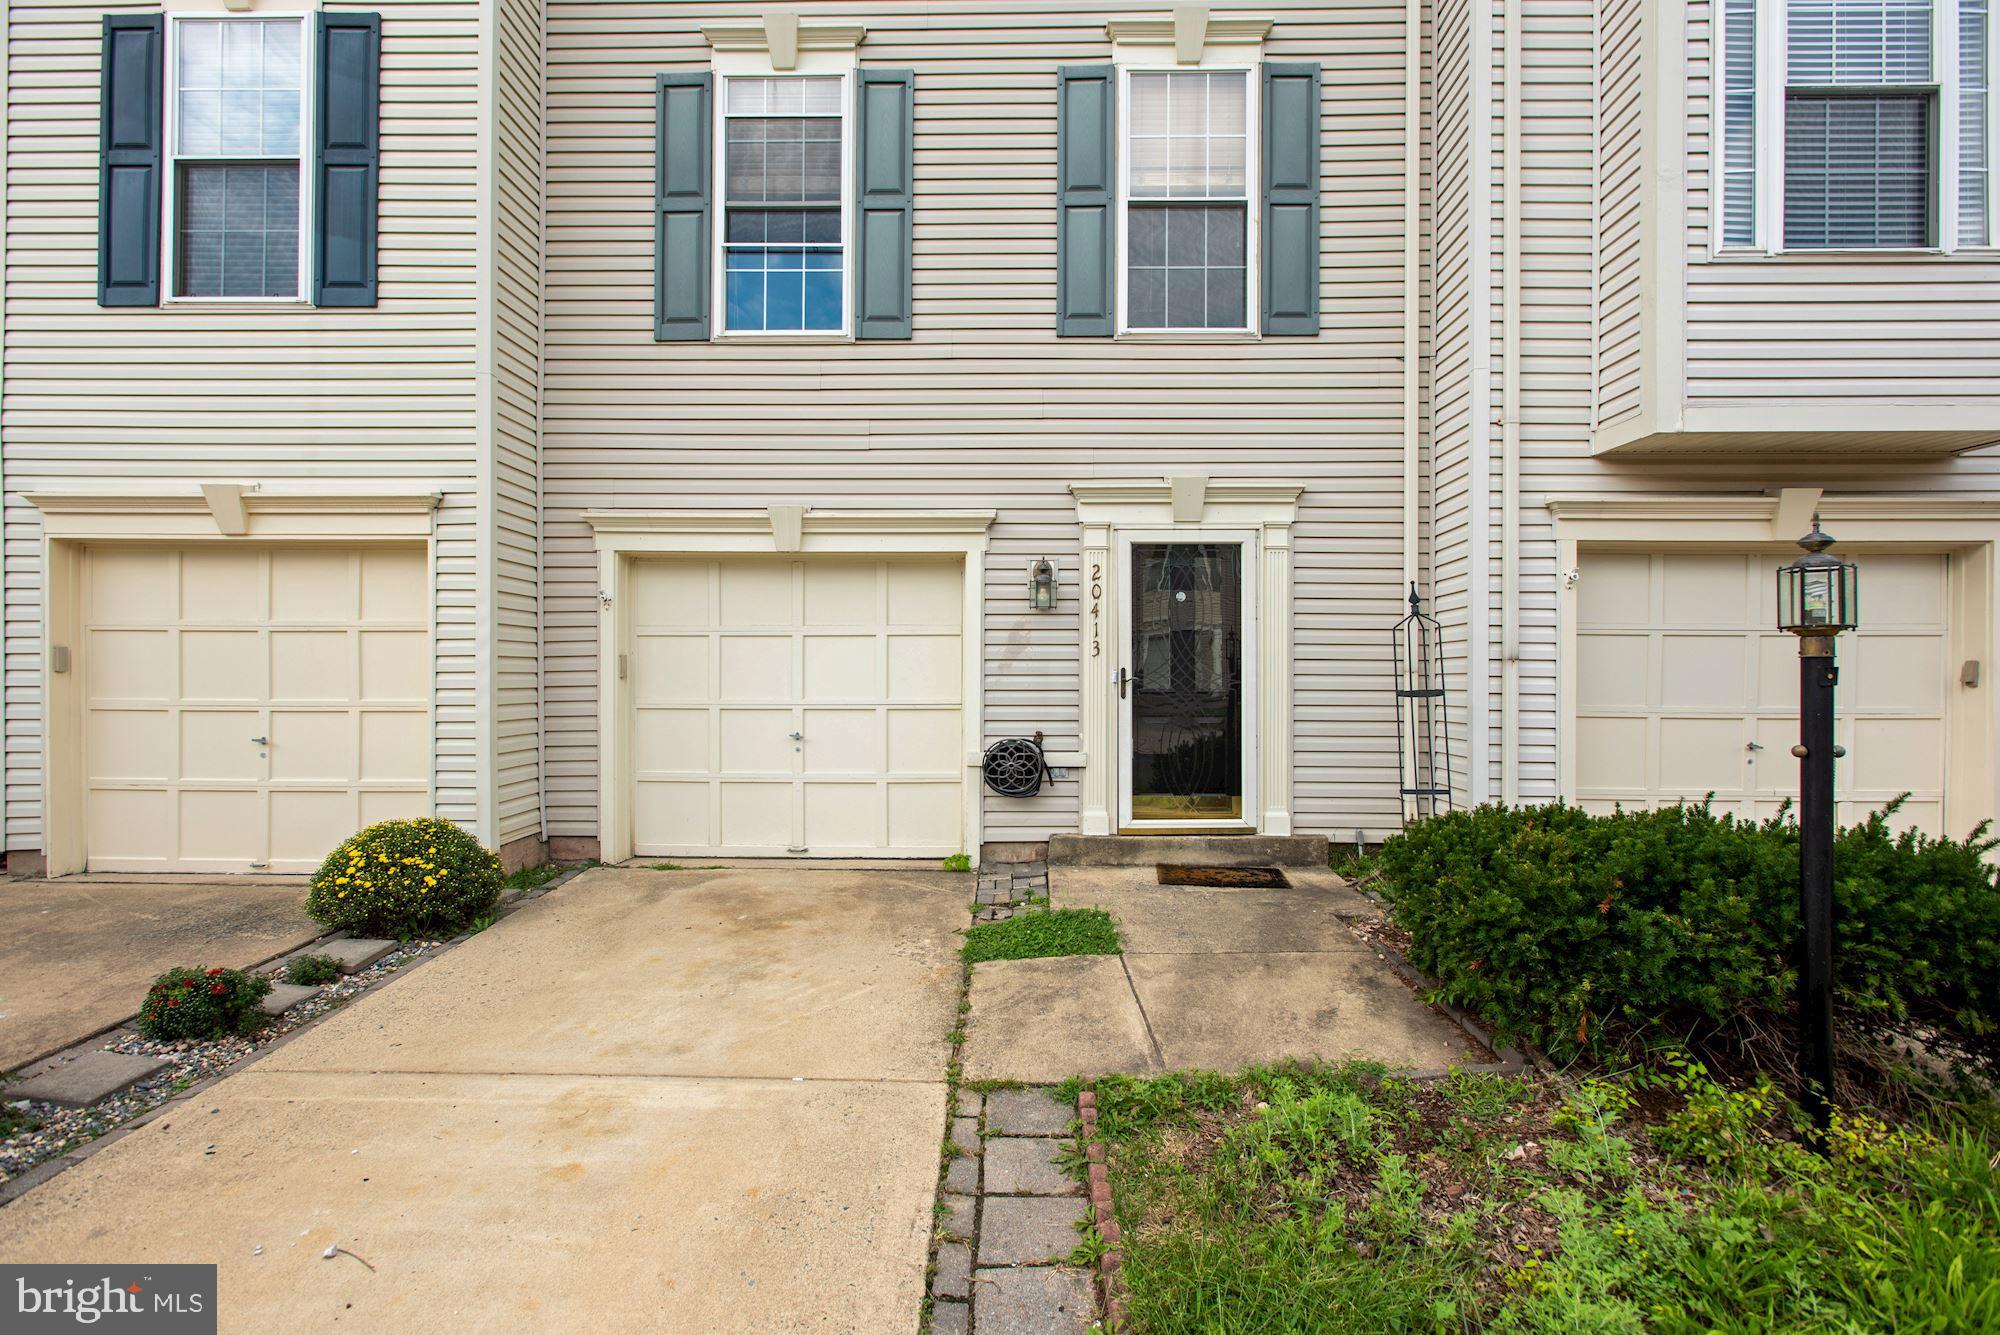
column 1818, row 597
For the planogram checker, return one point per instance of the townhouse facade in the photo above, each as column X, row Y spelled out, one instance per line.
column 688, row 428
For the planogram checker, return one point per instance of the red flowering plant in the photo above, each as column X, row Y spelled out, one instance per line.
column 406, row 879
column 201, row 1003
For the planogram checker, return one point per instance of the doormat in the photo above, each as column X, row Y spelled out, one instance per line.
column 1232, row 878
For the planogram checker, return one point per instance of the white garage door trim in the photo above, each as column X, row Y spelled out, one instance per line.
column 625, row 537
column 1968, row 530
column 75, row 520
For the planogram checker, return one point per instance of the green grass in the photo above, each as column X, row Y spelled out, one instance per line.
column 1339, row 1199
column 958, row 862
column 528, row 878
column 313, row 970
column 1034, row 936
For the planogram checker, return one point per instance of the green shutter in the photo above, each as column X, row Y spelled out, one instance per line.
column 1291, row 199
column 1085, row 198
column 884, row 203
column 347, row 156
column 681, row 190
column 128, row 161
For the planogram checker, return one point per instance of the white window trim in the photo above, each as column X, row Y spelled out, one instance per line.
column 1772, row 25
column 832, row 65
column 1231, row 61
column 171, row 160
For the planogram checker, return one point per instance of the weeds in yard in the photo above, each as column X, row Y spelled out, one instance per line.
column 312, row 970
column 1040, row 935
column 958, row 862
column 1340, row 1199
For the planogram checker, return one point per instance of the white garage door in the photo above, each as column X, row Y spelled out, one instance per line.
column 797, row 707
column 1684, row 688
column 245, row 709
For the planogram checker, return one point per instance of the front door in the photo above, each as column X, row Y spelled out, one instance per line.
column 1184, row 703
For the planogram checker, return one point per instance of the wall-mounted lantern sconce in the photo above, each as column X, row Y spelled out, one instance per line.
column 1042, row 585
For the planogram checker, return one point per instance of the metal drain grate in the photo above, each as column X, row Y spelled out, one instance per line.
column 1232, row 878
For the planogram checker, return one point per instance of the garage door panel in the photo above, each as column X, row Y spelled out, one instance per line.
column 756, row 815
column 314, row 585
column 842, row 594
column 1704, row 590
column 843, row 667
column 862, row 658
column 671, row 668
column 1900, row 672
column 1613, row 670
column 223, row 666
column 1611, row 753
column 924, row 667
column 924, row 741
column 843, row 815
column 925, row 595
column 130, row 665
column 844, row 741
column 753, row 741
column 134, row 587
column 314, row 746
column 1777, row 673
column 757, row 667
column 312, row 666
column 1703, row 671
column 1618, row 592
column 132, row 744
column 673, row 739
column 1896, row 754
column 673, row 815
column 1697, row 755
column 288, row 680
column 216, row 745
column 1901, row 590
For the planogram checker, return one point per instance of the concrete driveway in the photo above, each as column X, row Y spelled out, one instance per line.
column 77, row 954
column 683, row 1101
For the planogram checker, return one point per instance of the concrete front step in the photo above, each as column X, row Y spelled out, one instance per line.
column 1188, row 850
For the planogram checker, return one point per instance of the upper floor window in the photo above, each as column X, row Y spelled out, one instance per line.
column 1186, row 216
column 236, row 203
column 784, row 225
column 1855, row 124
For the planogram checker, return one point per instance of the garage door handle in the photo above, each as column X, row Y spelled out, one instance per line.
column 798, row 737
column 1753, row 746
column 261, row 741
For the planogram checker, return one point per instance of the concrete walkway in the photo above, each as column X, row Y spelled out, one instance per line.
column 680, row 1101
column 1210, row 979
column 77, row 954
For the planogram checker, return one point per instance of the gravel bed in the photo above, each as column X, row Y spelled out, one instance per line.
column 189, row 1061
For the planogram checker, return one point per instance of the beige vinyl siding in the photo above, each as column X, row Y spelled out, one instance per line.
column 515, row 316
column 139, row 397
column 984, row 407
column 1913, row 331
column 1620, row 223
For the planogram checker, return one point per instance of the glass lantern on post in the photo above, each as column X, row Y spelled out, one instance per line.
column 1819, row 596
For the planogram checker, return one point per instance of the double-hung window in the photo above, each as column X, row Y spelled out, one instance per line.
column 237, row 120
column 785, row 226
column 1854, row 124
column 1188, row 176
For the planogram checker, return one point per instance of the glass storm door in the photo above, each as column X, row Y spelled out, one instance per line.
column 1184, row 695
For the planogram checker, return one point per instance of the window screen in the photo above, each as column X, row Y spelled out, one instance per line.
column 1859, row 128
column 1739, row 123
column 1974, row 90
column 783, row 258
column 1187, row 216
column 238, row 95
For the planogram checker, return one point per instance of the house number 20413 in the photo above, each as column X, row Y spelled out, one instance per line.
column 1096, row 604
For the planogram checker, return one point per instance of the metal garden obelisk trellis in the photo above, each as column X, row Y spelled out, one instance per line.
column 1423, row 741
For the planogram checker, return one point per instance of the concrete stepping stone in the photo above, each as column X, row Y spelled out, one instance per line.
column 1027, row 1112
column 91, row 1078
column 1018, row 1166
column 1028, row 1230
column 1035, row 1301
column 354, row 954
column 283, row 996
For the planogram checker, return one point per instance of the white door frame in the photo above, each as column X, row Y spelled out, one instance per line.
column 1246, row 542
column 624, row 536
column 215, row 514
column 1188, row 509
column 1969, row 530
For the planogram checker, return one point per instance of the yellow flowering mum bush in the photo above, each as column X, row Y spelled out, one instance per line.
column 406, row 879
